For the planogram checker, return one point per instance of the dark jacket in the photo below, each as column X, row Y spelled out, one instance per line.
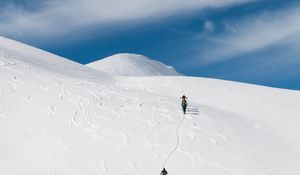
column 164, row 172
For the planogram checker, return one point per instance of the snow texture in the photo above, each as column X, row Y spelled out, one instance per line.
column 58, row 117
column 132, row 65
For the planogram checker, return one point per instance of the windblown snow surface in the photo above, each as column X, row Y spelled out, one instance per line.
column 132, row 65
column 58, row 117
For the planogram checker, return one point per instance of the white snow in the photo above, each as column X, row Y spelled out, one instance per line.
column 58, row 117
column 132, row 65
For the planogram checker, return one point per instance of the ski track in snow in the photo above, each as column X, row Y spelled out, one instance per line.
column 177, row 132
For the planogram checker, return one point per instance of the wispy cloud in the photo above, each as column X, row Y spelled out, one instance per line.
column 254, row 34
column 261, row 48
column 61, row 16
column 209, row 26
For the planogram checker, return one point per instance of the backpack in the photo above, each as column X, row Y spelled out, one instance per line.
column 184, row 102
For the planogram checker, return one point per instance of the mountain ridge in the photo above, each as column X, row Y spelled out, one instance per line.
column 38, row 58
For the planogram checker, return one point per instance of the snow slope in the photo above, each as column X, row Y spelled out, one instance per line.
column 132, row 65
column 15, row 52
column 62, row 118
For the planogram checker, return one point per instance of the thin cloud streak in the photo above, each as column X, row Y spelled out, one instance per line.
column 61, row 16
column 254, row 34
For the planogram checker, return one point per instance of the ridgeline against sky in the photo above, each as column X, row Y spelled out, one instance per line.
column 252, row 41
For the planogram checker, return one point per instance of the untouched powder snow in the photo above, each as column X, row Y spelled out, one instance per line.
column 66, row 119
column 132, row 65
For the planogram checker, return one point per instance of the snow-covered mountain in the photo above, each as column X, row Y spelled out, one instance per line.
column 132, row 65
column 58, row 117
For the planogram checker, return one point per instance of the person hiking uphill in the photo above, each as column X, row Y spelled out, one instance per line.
column 184, row 103
column 164, row 172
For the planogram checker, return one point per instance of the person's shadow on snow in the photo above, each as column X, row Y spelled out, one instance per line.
column 192, row 110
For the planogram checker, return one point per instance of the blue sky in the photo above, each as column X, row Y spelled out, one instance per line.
column 253, row 41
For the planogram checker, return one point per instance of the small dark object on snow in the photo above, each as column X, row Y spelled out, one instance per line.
column 184, row 103
column 164, row 172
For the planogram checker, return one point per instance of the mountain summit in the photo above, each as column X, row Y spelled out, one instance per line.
column 133, row 65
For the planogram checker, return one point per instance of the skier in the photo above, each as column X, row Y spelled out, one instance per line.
column 164, row 172
column 184, row 103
